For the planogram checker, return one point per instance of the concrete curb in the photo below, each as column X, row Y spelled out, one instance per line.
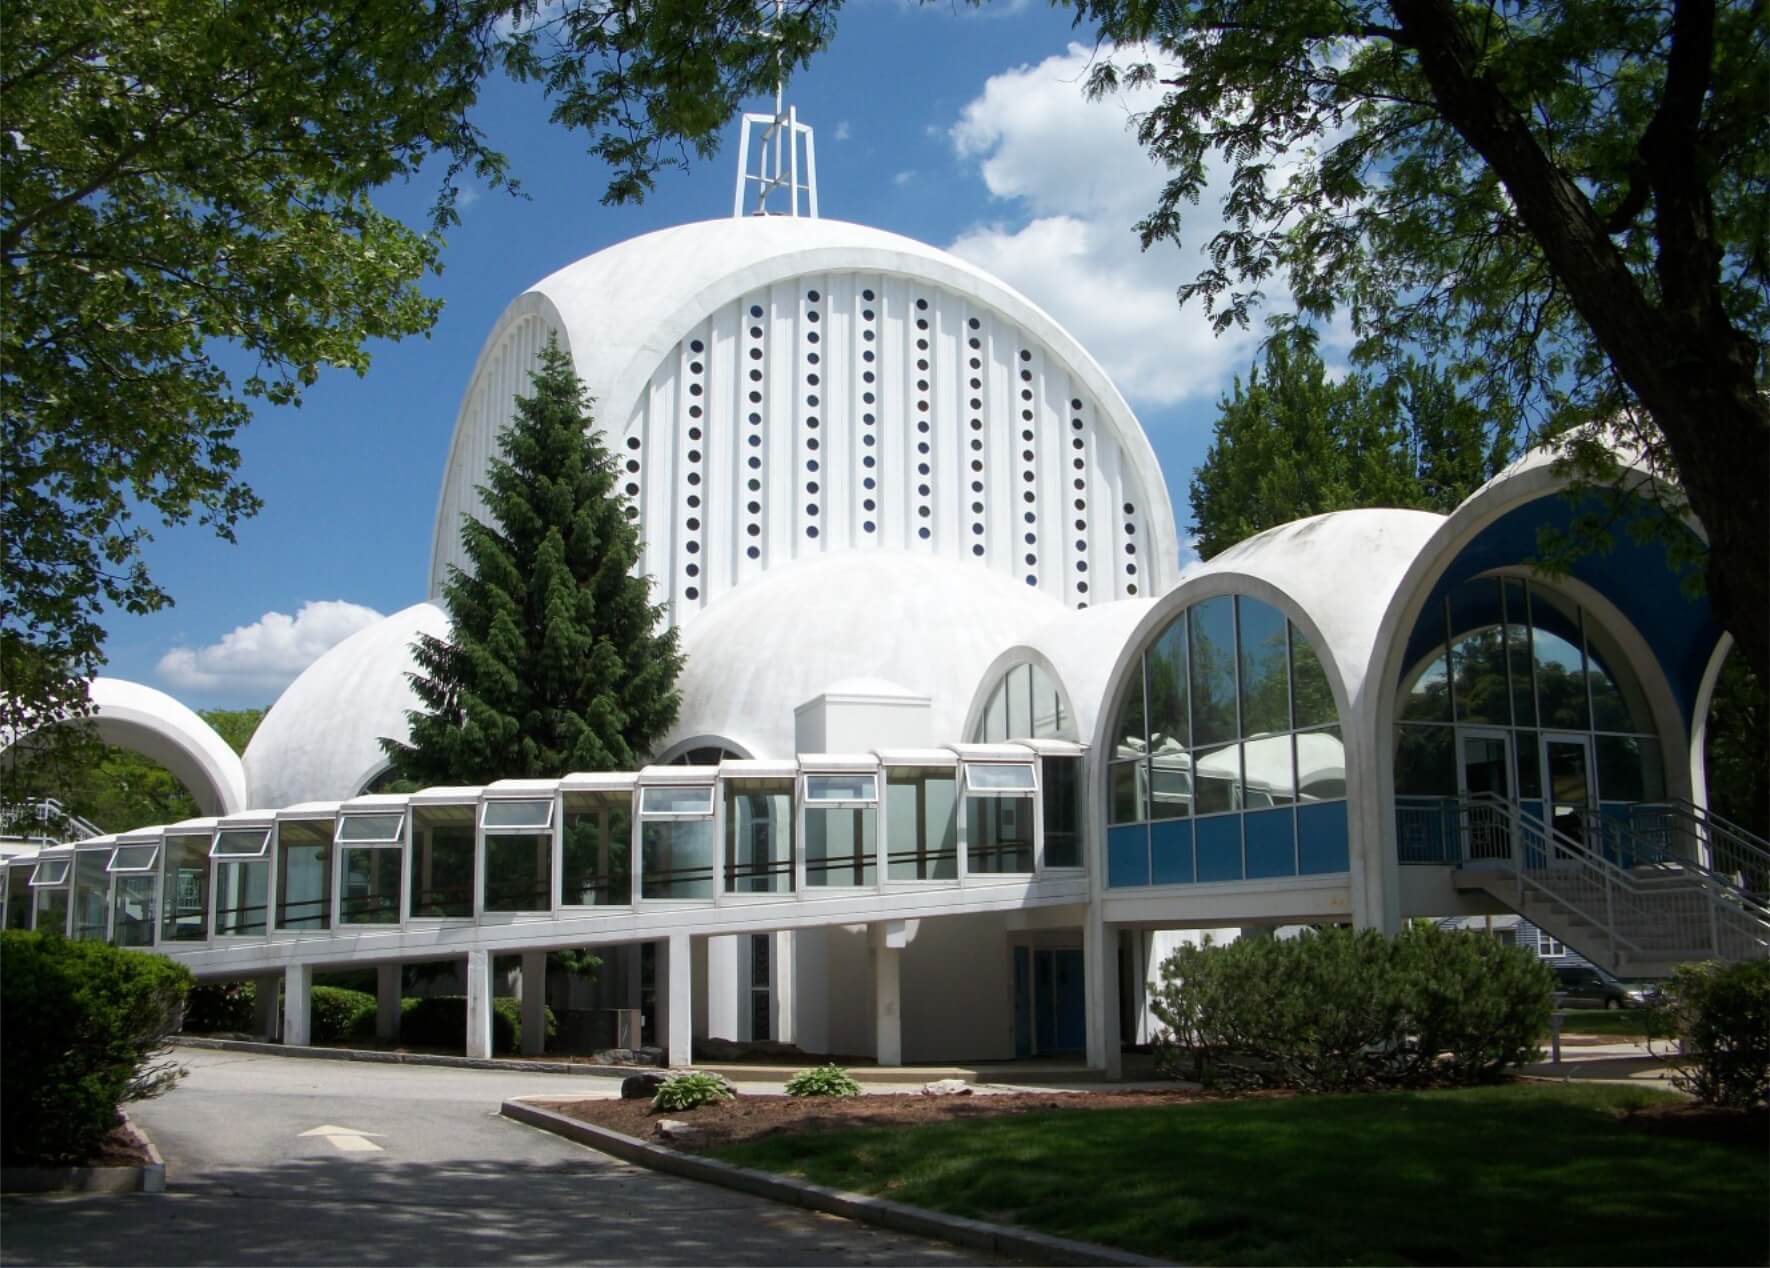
column 378, row 1057
column 998, row 1239
column 150, row 1177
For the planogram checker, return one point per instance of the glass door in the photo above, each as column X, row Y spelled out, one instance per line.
column 1570, row 795
column 1484, row 780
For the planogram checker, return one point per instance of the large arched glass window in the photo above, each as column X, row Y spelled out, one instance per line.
column 1227, row 761
column 1515, row 690
column 1024, row 705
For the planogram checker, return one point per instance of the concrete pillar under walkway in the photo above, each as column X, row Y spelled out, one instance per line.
column 534, row 1003
column 1100, row 988
column 479, row 1003
column 674, row 984
column 297, row 1005
column 888, row 939
column 388, row 984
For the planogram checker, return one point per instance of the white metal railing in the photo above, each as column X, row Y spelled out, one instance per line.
column 1683, row 830
column 45, row 821
column 1652, row 908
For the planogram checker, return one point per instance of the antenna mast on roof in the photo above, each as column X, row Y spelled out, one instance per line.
column 777, row 164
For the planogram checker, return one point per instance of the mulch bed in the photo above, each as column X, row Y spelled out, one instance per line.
column 747, row 1117
column 1703, row 1122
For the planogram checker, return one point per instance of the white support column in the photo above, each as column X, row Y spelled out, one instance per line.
column 388, row 982
column 1100, row 968
column 264, row 1006
column 888, row 939
column 675, row 996
column 297, row 1003
column 725, row 987
column 479, row 1003
column 534, row 1003
column 780, row 986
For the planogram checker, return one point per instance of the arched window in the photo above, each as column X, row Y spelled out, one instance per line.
column 1514, row 689
column 704, row 755
column 1227, row 761
column 1025, row 705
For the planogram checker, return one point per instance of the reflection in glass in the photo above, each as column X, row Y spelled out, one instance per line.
column 1530, row 764
column 1265, row 672
column 519, row 871
column 1024, row 704
column 1478, row 659
column 840, row 846
column 52, row 910
column 1425, row 761
column 92, row 893
column 1618, row 703
column 1312, row 700
column 1559, row 664
column 676, row 858
column 596, row 867
column 242, row 897
column 1426, row 696
column 921, row 824
column 1518, row 654
column 369, row 878
column 1269, row 772
column 184, row 895
column 1213, row 671
column 442, row 861
column 18, row 899
column 1126, row 792
column 1217, row 782
column 1061, row 787
column 759, row 836
column 1321, row 765
column 998, row 835
column 304, row 876
column 132, row 921
column 1165, row 668
column 1630, row 768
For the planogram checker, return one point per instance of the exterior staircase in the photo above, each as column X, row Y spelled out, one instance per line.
column 43, row 822
column 1616, row 892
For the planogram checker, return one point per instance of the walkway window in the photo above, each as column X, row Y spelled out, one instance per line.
column 999, row 817
column 921, row 823
column 1060, row 783
column 50, row 889
column 596, row 866
column 1517, row 690
column 1227, row 758
column 442, row 862
column 676, row 842
column 369, row 849
column 18, row 897
column 92, row 894
column 518, row 854
column 841, row 823
column 759, row 836
column 242, row 881
column 133, row 891
column 304, row 874
column 1025, row 704
column 184, row 889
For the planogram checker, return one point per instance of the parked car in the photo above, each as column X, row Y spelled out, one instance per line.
column 1585, row 986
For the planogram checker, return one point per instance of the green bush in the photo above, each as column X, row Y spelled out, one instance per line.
column 1720, row 1016
column 83, row 1024
column 1338, row 1009
column 220, row 1006
column 336, row 1013
column 824, row 1080
column 685, row 1091
column 440, row 1021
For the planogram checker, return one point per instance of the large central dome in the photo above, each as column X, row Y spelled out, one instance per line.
column 778, row 388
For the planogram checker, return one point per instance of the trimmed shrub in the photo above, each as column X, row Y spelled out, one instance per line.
column 686, row 1091
column 335, row 1013
column 220, row 1006
column 823, row 1080
column 1339, row 1010
column 1720, row 1016
column 83, row 1024
column 440, row 1021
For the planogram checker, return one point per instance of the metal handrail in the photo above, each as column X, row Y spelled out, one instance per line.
column 1641, row 847
column 45, row 811
column 1745, row 836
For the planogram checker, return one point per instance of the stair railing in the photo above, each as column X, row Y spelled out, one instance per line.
column 1719, row 844
column 42, row 813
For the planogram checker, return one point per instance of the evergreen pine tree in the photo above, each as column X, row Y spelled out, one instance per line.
column 554, row 660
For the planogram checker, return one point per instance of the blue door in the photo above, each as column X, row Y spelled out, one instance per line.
column 1023, row 1040
column 1060, row 1015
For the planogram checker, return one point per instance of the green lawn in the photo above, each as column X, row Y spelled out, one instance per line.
column 1524, row 1174
column 1620, row 1023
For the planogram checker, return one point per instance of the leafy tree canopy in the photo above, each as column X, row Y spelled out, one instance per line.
column 554, row 662
column 1292, row 443
column 1563, row 200
column 183, row 177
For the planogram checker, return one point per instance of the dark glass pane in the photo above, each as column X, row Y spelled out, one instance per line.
column 1560, row 668
column 758, row 836
column 1128, row 801
column 519, row 872
column 1170, row 784
column 1530, row 764
column 1212, row 637
column 370, row 883
column 1265, row 669
column 442, row 861
column 92, row 893
column 1518, row 654
column 1425, row 761
column 1630, row 768
column 132, row 924
column 596, row 864
column 1061, row 788
column 921, row 824
column 1487, row 766
column 676, row 858
column 998, row 835
column 1217, row 782
column 839, row 846
column 1130, row 736
column 1618, row 703
column 1165, row 671
column 1312, row 700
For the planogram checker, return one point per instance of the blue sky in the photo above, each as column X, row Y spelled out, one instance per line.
column 965, row 128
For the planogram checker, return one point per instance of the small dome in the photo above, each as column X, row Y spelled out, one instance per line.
column 924, row 625
column 321, row 740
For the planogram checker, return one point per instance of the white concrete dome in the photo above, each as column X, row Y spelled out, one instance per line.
column 923, row 625
column 321, row 740
column 152, row 723
column 781, row 388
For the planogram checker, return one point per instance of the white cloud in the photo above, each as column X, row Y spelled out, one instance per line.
column 267, row 654
column 900, row 179
column 1078, row 181
column 843, row 131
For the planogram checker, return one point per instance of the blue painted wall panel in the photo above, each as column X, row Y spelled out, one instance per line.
column 1219, row 848
column 1170, row 848
column 1272, row 844
column 1127, row 855
column 1323, row 842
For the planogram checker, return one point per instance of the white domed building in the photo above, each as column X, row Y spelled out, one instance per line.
column 961, row 745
